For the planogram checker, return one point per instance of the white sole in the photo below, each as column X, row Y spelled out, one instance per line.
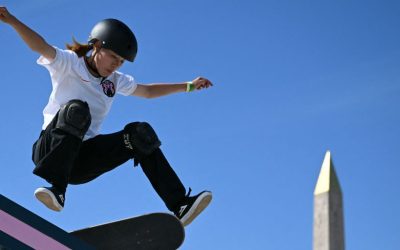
column 48, row 199
column 201, row 203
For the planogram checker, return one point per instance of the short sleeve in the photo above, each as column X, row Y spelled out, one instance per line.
column 126, row 84
column 61, row 63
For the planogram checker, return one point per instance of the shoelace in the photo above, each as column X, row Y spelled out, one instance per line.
column 188, row 194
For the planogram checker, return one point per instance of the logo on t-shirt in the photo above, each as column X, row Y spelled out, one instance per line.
column 108, row 88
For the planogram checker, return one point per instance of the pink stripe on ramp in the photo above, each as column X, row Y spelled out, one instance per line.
column 27, row 234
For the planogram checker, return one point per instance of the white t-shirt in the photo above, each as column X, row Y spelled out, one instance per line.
column 72, row 80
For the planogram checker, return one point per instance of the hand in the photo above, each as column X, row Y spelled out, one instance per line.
column 5, row 16
column 201, row 82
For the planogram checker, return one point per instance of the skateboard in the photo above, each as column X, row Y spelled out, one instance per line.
column 150, row 231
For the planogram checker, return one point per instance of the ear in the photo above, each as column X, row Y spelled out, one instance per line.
column 97, row 46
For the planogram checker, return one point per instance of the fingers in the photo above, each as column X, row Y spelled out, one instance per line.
column 3, row 10
column 201, row 82
column 4, row 14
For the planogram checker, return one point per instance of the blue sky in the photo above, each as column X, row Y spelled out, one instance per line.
column 292, row 80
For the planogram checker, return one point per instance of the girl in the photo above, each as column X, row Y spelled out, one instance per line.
column 85, row 79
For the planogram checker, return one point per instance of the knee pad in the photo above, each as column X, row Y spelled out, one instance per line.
column 141, row 138
column 74, row 118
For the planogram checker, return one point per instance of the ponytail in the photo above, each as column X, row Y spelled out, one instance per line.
column 78, row 48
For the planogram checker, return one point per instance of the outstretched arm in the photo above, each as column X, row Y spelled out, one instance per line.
column 161, row 89
column 30, row 37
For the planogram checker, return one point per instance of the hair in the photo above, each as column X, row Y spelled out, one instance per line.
column 78, row 48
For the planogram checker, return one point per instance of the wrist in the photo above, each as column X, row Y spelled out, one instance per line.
column 190, row 87
column 12, row 20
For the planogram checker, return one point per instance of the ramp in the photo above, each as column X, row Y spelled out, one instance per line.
column 22, row 229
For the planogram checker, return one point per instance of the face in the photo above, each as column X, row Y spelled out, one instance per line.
column 107, row 62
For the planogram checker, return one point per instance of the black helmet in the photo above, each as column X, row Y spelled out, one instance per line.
column 116, row 36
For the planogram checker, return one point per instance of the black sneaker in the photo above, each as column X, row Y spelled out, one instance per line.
column 51, row 197
column 191, row 207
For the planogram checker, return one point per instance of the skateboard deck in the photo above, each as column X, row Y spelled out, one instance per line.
column 150, row 231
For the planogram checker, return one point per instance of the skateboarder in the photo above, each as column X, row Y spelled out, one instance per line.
column 85, row 79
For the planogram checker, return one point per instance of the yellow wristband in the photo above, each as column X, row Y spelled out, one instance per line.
column 189, row 86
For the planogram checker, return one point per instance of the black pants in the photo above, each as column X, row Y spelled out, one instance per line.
column 63, row 159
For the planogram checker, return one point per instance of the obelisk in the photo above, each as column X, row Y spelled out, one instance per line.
column 328, row 233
